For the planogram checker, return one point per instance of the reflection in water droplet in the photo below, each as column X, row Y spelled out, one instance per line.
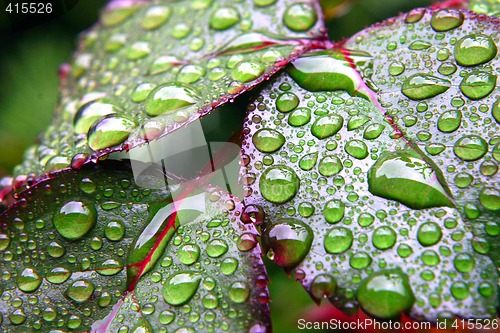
column 406, row 177
column 75, row 219
column 357, row 149
column 279, row 184
column 110, row 131
column 475, row 49
column 308, row 161
column 80, row 291
column 429, row 233
column 323, row 285
column 162, row 64
column 329, row 165
column 449, row 121
column 290, row 241
column 446, row 19
column 338, row 240
column 268, row 140
column 422, row 86
column 286, row 102
column 180, row 287
column 238, row 292
column 90, row 112
column 384, row 238
column 386, row 294
column 334, row 211
column 415, row 15
column 300, row 17
column 188, row 254
column 28, row 280
column 327, row 126
column 470, row 148
column 478, row 85
column 170, row 97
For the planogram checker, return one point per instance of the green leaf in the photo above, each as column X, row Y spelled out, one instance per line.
column 90, row 249
column 365, row 198
column 488, row 7
column 162, row 65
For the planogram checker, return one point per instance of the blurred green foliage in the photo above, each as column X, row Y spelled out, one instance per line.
column 29, row 63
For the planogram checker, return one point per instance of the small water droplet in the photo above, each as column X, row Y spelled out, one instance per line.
column 138, row 50
column 300, row 17
column 170, row 97
column 446, row 19
column 216, row 248
column 338, row 240
column 360, row 260
column 386, row 294
column 334, row 211
column 114, row 231
column 247, row 71
column 188, row 254
column 357, row 149
column 290, row 241
column 384, row 238
column 460, row 290
column 279, row 184
column 323, row 285
column 475, row 49
column 190, row 73
column 224, row 18
column 80, row 291
column 373, row 131
column 329, row 165
column 327, row 126
column 429, row 234
column 268, row 140
column 238, row 292
column 449, row 121
column 422, row 86
column 286, row 102
column 308, row 161
column 470, row 147
column 75, row 219
column 229, row 266
column 156, row 16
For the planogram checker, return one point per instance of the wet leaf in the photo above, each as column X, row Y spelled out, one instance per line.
column 91, row 249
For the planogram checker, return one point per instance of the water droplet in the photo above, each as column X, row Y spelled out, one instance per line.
column 166, row 317
column 323, row 285
column 252, row 214
column 155, row 16
column 478, row 85
column 386, row 294
column 334, row 211
column 449, row 121
column 300, row 17
column 87, row 186
column 373, row 131
column 238, row 292
column 55, row 250
column 224, row 18
column 475, row 49
column 170, row 97
column 80, row 291
column 338, row 240
column 263, row 3
column 160, row 65
column 490, row 198
column 28, row 280
column 429, row 234
column 290, row 241
column 114, row 231
column 190, row 73
column 460, row 290
column 384, row 238
column 330, row 165
column 327, row 126
column 110, row 131
column 229, row 266
column 360, row 260
column 279, row 184
column 308, row 161
column 357, row 121
column 4, row 242
column 495, row 110
column 415, row 15
column 17, row 317
column 365, row 219
column 90, row 112
column 180, row 287
column 396, row 68
column 406, row 177
column 216, row 248
column 286, row 102
column 188, row 254
column 422, row 86
column 419, row 45
column 58, row 275
column 210, row 301
column 446, row 19
column 110, row 267
column 357, row 149
column 268, row 140
column 247, row 71
column 464, row 263
column 138, row 50
column 75, row 219
column 470, row 148
column 246, row 242
column 306, row 209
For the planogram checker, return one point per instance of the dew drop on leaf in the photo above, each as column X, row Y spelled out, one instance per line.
column 386, row 294
column 28, row 280
column 333, row 211
column 300, row 17
column 110, row 131
column 323, row 285
column 58, row 275
column 216, row 248
column 490, row 198
column 155, row 16
column 170, row 97
column 327, row 126
column 180, row 287
column 478, row 85
column 429, row 233
column 328, row 166
column 384, row 238
column 446, row 19
column 188, row 254
column 308, row 162
column 80, row 291
column 75, row 219
column 238, row 292
column 449, row 121
column 90, row 112
column 423, row 86
column 268, row 140
column 279, row 184
column 470, row 147
column 338, row 240
column 475, row 49
column 224, row 18
column 247, row 71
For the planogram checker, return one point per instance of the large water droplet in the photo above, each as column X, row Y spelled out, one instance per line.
column 28, row 280
column 217, row 248
column 268, row 140
column 80, row 291
column 422, row 86
column 110, row 131
column 180, row 287
column 75, row 219
column 286, row 102
column 357, row 149
column 334, row 211
column 384, row 238
column 386, row 294
column 407, row 177
column 329, row 165
column 470, row 147
column 170, row 97
column 308, row 161
column 238, row 292
column 188, row 254
column 475, row 49
column 224, row 18
column 117, row 12
column 446, row 19
column 478, row 85
column 338, row 240
column 490, row 198
column 327, row 126
column 279, row 184
column 90, row 112
column 449, row 121
column 429, row 233
column 300, row 17
column 290, row 241
column 330, row 71
column 247, row 71
column 155, row 16
column 323, row 285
